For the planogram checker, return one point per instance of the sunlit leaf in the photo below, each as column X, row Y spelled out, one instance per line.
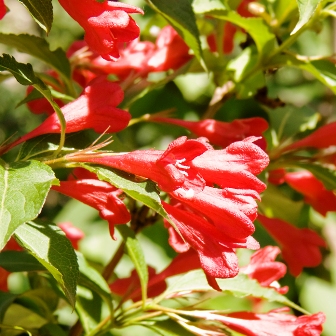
column 207, row 6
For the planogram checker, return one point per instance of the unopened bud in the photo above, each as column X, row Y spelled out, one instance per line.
column 256, row 8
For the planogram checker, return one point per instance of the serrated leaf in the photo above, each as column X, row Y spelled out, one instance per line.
column 207, row 6
column 256, row 27
column 49, row 245
column 240, row 286
column 19, row 261
column 24, row 187
column 307, row 9
column 41, row 11
column 92, row 279
column 180, row 15
column 145, row 192
column 325, row 175
column 39, row 48
column 135, row 252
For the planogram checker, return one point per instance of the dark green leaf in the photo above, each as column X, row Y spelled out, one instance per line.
column 50, row 329
column 92, row 279
column 25, row 75
column 240, row 286
column 135, row 252
column 260, row 32
column 39, row 48
column 169, row 328
column 322, row 70
column 49, row 245
column 33, row 95
column 307, row 9
column 19, row 261
column 24, row 187
column 180, row 15
column 42, row 301
column 6, row 299
column 145, row 192
column 207, row 6
column 41, row 11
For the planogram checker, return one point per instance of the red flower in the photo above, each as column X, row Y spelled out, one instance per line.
column 265, row 269
column 273, row 323
column 221, row 133
column 3, row 279
column 171, row 52
column 95, row 108
column 321, row 199
column 98, row 194
column 215, row 250
column 72, row 233
column 299, row 247
column 230, row 30
column 3, row 9
column 321, row 138
column 106, row 24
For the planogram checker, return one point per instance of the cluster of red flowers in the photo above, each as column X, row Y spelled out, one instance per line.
column 209, row 194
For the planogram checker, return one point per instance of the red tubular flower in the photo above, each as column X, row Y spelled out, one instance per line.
column 321, row 138
column 95, row 108
column 299, row 247
column 215, row 249
column 106, row 24
column 321, row 199
column 265, row 269
column 98, row 194
column 273, row 323
column 171, row 52
column 72, row 233
column 221, row 133
column 3, row 9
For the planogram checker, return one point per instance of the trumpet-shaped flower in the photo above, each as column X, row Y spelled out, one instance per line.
column 273, row 323
column 221, row 133
column 299, row 247
column 106, row 24
column 95, row 108
column 323, row 137
column 98, row 194
column 315, row 194
column 263, row 268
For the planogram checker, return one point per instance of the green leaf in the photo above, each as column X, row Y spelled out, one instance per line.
column 89, row 306
column 322, row 70
column 307, row 9
column 207, row 6
column 135, row 252
column 41, row 11
column 92, row 279
column 49, row 245
column 6, row 299
column 180, row 15
column 50, row 329
column 19, row 261
column 240, row 286
column 325, row 175
column 260, row 32
column 39, row 48
column 169, row 328
column 23, row 189
column 145, row 192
